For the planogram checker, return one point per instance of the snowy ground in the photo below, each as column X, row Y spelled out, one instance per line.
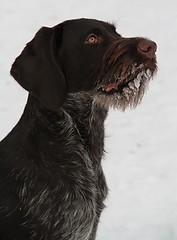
column 141, row 164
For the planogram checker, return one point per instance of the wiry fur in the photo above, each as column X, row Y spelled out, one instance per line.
column 129, row 97
column 52, row 186
column 57, row 195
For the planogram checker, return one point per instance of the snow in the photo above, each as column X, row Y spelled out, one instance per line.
column 141, row 163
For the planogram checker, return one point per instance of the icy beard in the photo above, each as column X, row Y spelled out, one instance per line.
column 126, row 91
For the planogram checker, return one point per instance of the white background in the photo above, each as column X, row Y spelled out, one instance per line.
column 141, row 163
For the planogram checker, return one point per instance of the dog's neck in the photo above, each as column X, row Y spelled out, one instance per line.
column 88, row 117
column 79, row 122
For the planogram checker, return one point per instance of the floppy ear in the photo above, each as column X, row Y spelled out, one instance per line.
column 37, row 70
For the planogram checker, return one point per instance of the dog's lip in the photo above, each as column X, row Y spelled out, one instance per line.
column 109, row 87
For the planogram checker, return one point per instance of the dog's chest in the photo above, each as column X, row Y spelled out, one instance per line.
column 58, row 180
column 69, row 186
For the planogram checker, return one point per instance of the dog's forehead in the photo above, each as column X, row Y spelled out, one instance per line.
column 85, row 25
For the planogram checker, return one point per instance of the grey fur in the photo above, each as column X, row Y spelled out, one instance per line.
column 71, row 212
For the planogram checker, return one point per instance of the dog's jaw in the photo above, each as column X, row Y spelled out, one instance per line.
column 129, row 94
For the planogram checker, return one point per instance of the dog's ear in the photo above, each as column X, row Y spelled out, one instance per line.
column 37, row 70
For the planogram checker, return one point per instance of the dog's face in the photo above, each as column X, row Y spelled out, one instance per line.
column 86, row 55
column 81, row 50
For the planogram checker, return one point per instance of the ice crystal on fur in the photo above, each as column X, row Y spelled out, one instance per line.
column 130, row 96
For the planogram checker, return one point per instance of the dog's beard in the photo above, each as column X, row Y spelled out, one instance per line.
column 124, row 76
column 126, row 90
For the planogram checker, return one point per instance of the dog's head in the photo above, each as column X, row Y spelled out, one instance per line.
column 85, row 55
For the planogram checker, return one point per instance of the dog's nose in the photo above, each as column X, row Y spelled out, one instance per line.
column 147, row 48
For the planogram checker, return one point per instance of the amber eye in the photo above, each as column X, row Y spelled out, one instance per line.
column 93, row 39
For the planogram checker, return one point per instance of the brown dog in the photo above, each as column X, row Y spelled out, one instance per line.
column 51, row 182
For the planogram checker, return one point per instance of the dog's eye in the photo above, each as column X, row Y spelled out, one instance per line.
column 93, row 39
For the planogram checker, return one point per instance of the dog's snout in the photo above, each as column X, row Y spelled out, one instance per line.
column 147, row 48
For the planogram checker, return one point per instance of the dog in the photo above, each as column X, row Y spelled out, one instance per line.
column 52, row 186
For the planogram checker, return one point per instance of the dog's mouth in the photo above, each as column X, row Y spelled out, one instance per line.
column 116, row 88
column 125, row 90
column 132, row 83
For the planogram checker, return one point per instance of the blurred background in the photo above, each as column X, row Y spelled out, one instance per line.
column 141, row 160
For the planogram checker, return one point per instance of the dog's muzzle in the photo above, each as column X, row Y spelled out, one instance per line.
column 128, row 65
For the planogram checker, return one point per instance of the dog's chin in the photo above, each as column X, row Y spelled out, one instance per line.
column 127, row 92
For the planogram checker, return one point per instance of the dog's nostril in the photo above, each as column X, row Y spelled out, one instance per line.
column 147, row 48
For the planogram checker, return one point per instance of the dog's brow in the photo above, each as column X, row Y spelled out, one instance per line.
column 95, row 30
